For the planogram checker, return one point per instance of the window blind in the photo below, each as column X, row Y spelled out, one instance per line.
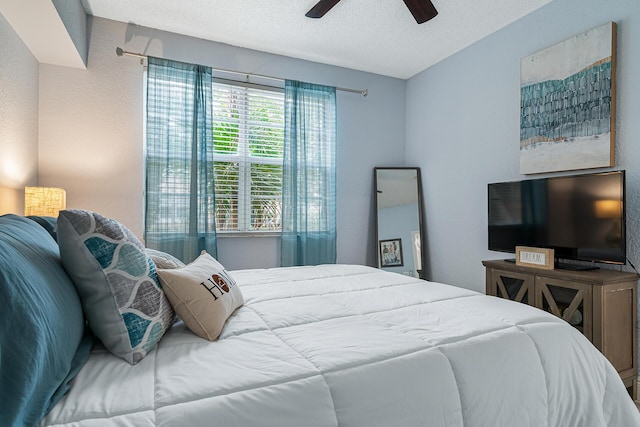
column 248, row 137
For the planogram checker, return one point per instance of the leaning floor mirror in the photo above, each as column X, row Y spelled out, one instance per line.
column 399, row 231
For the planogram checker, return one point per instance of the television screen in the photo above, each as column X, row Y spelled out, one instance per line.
column 581, row 217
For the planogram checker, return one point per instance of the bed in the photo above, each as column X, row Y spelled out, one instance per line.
column 332, row 345
column 347, row 345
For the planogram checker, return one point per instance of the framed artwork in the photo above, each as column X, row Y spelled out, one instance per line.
column 567, row 104
column 391, row 253
column 535, row 257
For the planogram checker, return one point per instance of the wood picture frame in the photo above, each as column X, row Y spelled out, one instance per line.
column 391, row 253
column 535, row 257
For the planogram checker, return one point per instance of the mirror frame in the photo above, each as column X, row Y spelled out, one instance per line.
column 421, row 272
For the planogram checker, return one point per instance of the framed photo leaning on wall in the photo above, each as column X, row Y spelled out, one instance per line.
column 391, row 253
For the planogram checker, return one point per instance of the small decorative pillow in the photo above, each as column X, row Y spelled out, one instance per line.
column 203, row 294
column 163, row 260
column 117, row 283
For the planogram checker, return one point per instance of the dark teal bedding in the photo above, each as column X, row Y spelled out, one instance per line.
column 43, row 343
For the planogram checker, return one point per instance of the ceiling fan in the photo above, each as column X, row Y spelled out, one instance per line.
column 422, row 10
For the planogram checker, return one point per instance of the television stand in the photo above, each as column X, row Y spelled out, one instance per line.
column 564, row 265
column 575, row 267
column 601, row 304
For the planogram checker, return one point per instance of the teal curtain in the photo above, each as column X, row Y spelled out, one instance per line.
column 180, row 201
column 309, row 175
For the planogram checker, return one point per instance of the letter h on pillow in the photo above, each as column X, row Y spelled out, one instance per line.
column 203, row 294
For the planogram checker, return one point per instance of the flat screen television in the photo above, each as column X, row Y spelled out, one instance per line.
column 581, row 217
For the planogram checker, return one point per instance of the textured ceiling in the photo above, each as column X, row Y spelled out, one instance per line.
column 378, row 36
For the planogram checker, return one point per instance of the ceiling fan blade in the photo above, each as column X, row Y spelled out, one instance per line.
column 422, row 10
column 322, row 7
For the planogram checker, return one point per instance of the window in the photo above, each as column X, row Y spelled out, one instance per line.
column 248, row 138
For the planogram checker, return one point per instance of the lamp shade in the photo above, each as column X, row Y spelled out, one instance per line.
column 44, row 201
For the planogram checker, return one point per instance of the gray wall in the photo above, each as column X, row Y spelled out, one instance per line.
column 462, row 129
column 18, row 120
column 91, row 131
column 74, row 18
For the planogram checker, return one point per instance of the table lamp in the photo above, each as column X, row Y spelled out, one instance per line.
column 44, row 201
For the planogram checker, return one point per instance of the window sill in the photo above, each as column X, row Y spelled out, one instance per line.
column 245, row 234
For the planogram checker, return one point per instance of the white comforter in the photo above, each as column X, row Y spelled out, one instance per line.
column 355, row 346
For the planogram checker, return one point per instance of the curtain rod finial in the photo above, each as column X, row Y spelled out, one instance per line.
column 365, row 92
column 119, row 51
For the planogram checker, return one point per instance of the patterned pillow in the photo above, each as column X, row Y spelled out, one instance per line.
column 203, row 294
column 163, row 260
column 117, row 283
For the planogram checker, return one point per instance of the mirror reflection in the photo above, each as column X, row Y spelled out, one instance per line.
column 399, row 220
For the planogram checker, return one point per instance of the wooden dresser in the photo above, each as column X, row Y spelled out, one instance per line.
column 599, row 303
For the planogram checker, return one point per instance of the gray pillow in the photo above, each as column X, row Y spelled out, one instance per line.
column 163, row 260
column 117, row 283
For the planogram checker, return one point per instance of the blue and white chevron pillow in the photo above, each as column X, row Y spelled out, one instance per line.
column 117, row 283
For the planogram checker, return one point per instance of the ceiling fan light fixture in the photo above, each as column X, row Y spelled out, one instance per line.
column 321, row 8
column 422, row 10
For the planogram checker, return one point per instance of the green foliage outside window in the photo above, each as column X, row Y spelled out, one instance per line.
column 248, row 133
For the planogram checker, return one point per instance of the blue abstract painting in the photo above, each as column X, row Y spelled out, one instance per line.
column 567, row 104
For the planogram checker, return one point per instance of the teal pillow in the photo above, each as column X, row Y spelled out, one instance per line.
column 46, row 222
column 121, row 296
column 42, row 331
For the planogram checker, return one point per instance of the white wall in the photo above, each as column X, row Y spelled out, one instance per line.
column 462, row 124
column 91, row 132
column 18, row 120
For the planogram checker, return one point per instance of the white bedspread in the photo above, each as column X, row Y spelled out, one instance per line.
column 355, row 346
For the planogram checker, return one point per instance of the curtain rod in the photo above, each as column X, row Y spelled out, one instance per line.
column 121, row 52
